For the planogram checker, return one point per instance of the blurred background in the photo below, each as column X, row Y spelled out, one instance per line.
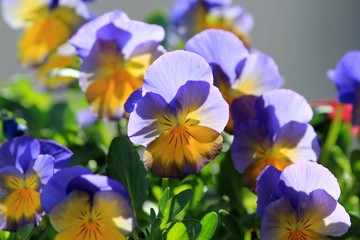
column 306, row 38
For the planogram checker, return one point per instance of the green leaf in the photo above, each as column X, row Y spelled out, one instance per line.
column 24, row 232
column 152, row 214
column 32, row 115
column 156, row 232
column 230, row 184
column 124, row 165
column 344, row 139
column 208, row 226
column 355, row 163
column 185, row 230
column 163, row 201
column 61, row 116
column 175, row 205
column 158, row 17
column 4, row 235
column 230, row 223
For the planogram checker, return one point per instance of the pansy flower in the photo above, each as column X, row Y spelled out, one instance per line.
column 300, row 203
column 272, row 130
column 82, row 205
column 59, row 70
column 85, row 117
column 179, row 115
column 237, row 74
column 346, row 77
column 115, row 51
column 47, row 24
column 190, row 17
column 26, row 165
column 12, row 128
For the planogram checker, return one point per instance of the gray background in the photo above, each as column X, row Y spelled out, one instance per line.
column 305, row 37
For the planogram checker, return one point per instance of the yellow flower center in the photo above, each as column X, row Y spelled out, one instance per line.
column 114, row 79
column 23, row 200
column 264, row 155
column 301, row 230
column 107, row 217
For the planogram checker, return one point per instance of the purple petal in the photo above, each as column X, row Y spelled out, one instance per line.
column 79, row 6
column 85, row 117
column 181, row 8
column 243, row 109
column 267, row 188
column 6, row 159
column 297, row 142
column 61, row 154
column 203, row 102
column 259, row 75
column 248, row 138
column 86, row 36
column 12, row 128
column 111, row 32
column 280, row 106
column 347, row 76
column 6, row 171
column 276, row 215
column 304, row 177
column 2, row 220
column 326, row 216
column 337, row 223
column 214, row 3
column 92, row 183
column 142, row 126
column 132, row 100
column 23, row 150
column 172, row 70
column 217, row 47
column 55, row 190
column 145, row 37
column 241, row 20
column 44, row 167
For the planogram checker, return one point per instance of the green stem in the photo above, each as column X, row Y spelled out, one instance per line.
column 118, row 127
column 332, row 135
column 164, row 183
column 121, row 126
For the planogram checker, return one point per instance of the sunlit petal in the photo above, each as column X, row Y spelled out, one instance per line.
column 22, row 13
column 217, row 47
column 182, row 150
column 177, row 67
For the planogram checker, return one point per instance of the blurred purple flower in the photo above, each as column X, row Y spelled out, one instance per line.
column 115, row 51
column 85, row 117
column 26, row 165
column 272, row 130
column 47, row 25
column 346, row 77
column 81, row 204
column 12, row 128
column 179, row 115
column 243, row 73
column 300, row 203
column 190, row 17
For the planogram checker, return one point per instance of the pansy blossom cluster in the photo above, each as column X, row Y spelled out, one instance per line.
column 211, row 109
column 46, row 27
column 35, row 180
